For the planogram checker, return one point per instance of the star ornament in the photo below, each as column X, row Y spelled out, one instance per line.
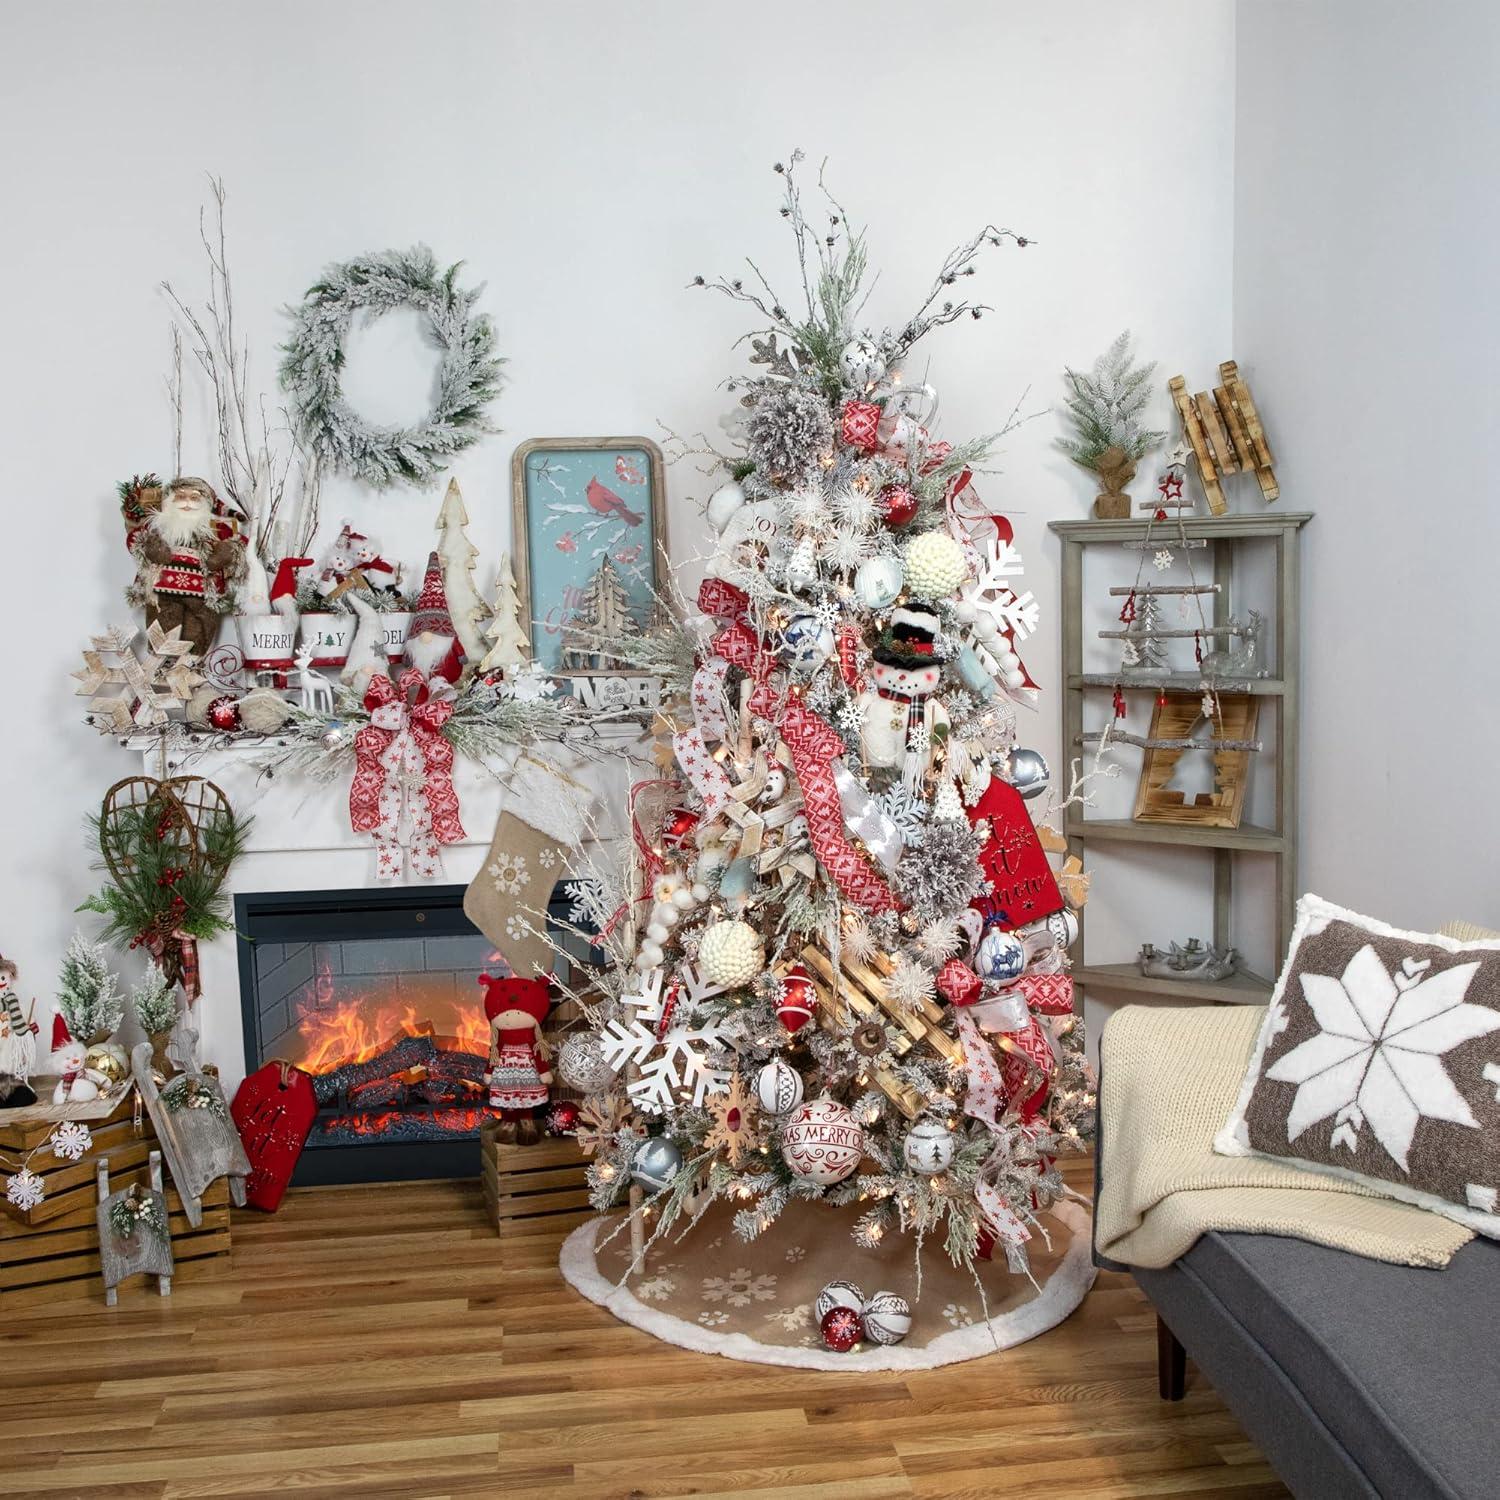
column 1378, row 1059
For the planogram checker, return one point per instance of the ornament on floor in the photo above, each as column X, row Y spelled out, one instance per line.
column 837, row 1294
column 842, row 1328
column 656, row 1162
column 929, row 1147
column 822, row 1142
column 312, row 370
column 887, row 1318
column 778, row 1086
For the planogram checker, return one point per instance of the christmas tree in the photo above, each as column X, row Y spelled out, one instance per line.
column 458, row 555
column 602, row 615
column 509, row 643
column 841, row 969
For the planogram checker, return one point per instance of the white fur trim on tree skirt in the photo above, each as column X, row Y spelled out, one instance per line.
column 1060, row 1294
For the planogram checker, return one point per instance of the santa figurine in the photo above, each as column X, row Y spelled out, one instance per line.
column 432, row 645
column 17, row 1033
column 186, row 556
column 900, row 719
column 518, row 1074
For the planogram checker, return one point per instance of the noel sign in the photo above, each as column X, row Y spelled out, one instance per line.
column 1023, row 888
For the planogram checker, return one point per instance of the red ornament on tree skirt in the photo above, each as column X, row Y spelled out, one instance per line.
column 795, row 1008
column 958, row 984
column 841, row 1329
column 898, row 505
column 562, row 1117
column 1013, row 860
column 224, row 714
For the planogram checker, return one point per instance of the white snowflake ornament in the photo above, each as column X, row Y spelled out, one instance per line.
column 71, row 1141
column 24, row 1190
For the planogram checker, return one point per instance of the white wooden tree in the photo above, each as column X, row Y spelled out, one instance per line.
column 603, row 615
column 457, row 555
column 509, row 640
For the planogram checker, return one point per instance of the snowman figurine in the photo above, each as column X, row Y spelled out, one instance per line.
column 898, row 715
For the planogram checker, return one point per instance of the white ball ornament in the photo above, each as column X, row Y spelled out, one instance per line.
column 723, row 503
column 731, row 953
column 809, row 642
column 934, row 565
column 929, row 1147
column 887, row 1318
column 649, row 956
column 837, row 1294
column 778, row 1086
column 657, row 933
column 878, row 580
column 1001, row 956
column 822, row 1142
column 581, row 1064
column 861, row 364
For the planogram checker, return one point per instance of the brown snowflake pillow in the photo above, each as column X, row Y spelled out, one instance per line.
column 1379, row 1061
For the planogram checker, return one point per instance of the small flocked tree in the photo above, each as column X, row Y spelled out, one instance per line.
column 841, row 972
column 88, row 994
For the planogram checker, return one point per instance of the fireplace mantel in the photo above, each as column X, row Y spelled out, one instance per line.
column 300, row 840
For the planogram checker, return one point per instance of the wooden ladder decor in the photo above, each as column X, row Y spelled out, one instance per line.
column 1224, row 430
column 860, row 989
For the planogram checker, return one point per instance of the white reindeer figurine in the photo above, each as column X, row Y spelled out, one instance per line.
column 316, row 689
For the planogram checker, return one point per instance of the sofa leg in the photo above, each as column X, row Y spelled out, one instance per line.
column 1171, row 1363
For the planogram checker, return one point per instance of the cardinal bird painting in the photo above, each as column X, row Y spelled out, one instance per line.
column 607, row 503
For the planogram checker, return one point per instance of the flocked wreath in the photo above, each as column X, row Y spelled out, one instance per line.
column 468, row 379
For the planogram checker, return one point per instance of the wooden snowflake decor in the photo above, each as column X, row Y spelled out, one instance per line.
column 733, row 1130
column 136, row 692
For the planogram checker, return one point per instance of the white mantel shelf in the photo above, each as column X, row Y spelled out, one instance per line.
column 300, row 839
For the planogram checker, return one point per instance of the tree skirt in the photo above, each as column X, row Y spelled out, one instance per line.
column 713, row 1292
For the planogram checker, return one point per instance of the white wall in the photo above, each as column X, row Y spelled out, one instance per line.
column 585, row 160
column 1367, row 318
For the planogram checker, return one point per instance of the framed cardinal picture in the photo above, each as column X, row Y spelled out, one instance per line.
column 589, row 535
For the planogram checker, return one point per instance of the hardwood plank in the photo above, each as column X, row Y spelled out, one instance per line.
column 382, row 1341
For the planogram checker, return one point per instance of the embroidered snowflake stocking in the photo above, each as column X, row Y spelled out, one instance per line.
column 507, row 899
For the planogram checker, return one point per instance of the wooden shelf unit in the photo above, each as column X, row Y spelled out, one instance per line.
column 1281, row 530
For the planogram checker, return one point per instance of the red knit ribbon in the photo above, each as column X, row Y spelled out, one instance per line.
column 1048, row 994
column 404, row 739
column 1026, row 1068
column 722, row 601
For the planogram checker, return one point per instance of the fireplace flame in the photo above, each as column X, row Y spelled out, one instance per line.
column 337, row 1032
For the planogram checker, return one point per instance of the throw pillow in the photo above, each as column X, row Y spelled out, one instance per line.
column 1379, row 1060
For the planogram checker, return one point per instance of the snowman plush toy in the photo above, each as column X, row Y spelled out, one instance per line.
column 898, row 714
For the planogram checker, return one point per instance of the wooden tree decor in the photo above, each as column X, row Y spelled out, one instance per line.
column 1225, row 433
column 1179, row 718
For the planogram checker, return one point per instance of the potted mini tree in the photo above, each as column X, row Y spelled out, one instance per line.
column 1105, row 406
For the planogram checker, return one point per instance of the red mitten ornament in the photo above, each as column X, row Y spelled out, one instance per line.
column 1013, row 860
column 273, row 1111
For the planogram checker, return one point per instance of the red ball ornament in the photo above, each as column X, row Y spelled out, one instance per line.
column 795, row 1008
column 679, row 827
column 898, row 505
column 224, row 714
column 958, row 984
column 562, row 1117
column 841, row 1329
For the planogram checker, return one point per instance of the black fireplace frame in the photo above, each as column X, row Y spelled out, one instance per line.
column 361, row 912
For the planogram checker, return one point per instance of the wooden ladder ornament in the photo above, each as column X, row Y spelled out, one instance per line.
column 861, row 989
column 1224, row 430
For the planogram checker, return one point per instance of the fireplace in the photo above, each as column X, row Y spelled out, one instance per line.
column 374, row 993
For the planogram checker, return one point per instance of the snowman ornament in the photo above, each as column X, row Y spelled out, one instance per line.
column 899, row 718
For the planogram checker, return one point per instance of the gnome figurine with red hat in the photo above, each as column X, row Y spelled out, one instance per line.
column 432, row 645
column 518, row 1074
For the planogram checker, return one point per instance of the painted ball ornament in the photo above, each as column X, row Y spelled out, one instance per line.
column 798, row 999
column 822, row 1142
column 934, row 564
column 842, row 1328
column 898, row 506
column 778, row 1087
column 887, row 1318
column 655, row 1163
column 678, row 828
column 861, row 364
column 929, row 1147
column 837, row 1294
column 581, row 1064
column 1001, row 957
column 224, row 714
column 809, row 642
column 730, row 953
column 562, row 1117
column 1026, row 771
column 878, row 580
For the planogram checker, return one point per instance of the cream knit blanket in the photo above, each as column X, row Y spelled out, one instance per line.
column 1170, row 1079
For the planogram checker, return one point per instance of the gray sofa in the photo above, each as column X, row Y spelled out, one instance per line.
column 1355, row 1378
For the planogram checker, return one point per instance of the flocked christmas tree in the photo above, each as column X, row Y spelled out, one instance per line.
column 842, row 968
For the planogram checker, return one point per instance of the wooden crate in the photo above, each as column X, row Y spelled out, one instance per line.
column 44, row 1249
column 527, row 1184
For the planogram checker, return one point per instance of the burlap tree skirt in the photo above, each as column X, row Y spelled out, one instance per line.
column 714, row 1293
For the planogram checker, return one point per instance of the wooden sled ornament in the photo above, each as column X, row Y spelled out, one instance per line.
column 143, row 1253
column 1224, row 430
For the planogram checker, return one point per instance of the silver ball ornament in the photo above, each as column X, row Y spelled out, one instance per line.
column 655, row 1163
column 1026, row 771
column 581, row 1064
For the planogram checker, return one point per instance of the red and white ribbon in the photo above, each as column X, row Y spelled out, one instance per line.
column 984, row 1098
column 1047, row 994
column 707, row 776
column 403, row 774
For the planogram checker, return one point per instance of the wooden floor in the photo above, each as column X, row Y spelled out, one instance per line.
column 374, row 1342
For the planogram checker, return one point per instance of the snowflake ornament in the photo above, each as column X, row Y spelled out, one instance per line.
column 25, row 1190
column 528, row 683
column 146, row 688
column 1377, row 1060
column 1163, row 559
column 733, row 1130
column 670, row 1064
column 907, row 811
column 989, row 591
column 71, row 1141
